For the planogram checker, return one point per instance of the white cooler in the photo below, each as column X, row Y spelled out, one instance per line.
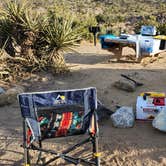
column 149, row 104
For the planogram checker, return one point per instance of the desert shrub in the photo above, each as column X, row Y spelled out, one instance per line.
column 101, row 18
column 162, row 28
column 25, row 27
column 151, row 20
column 85, row 22
column 58, row 34
column 17, row 20
column 148, row 20
column 41, row 41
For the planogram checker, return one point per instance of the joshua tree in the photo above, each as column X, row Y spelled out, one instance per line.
column 42, row 41
column 59, row 35
column 20, row 26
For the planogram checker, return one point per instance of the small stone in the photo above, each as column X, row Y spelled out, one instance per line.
column 125, row 85
column 2, row 90
column 162, row 160
column 44, row 79
column 123, row 117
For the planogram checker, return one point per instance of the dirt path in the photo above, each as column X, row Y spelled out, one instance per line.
column 140, row 145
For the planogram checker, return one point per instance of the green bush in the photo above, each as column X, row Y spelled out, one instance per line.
column 42, row 40
column 149, row 20
column 162, row 28
column 59, row 34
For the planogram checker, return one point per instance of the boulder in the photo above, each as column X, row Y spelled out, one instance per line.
column 11, row 95
column 15, row 90
column 123, row 117
column 6, row 99
column 125, row 85
column 2, row 90
column 159, row 122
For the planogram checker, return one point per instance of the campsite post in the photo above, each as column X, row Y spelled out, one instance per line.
column 94, row 30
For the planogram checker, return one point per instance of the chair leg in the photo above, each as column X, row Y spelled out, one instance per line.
column 26, row 157
column 96, row 142
column 40, row 153
column 96, row 151
column 26, row 150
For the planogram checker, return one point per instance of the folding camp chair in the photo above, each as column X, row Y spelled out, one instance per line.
column 55, row 114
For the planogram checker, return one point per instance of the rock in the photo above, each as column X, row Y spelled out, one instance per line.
column 123, row 117
column 125, row 85
column 159, row 122
column 44, row 79
column 10, row 96
column 147, row 60
column 162, row 160
column 2, row 90
column 6, row 99
column 15, row 90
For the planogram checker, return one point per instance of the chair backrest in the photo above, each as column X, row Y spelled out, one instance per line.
column 58, row 113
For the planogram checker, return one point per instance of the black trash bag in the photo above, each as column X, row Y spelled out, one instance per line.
column 103, row 112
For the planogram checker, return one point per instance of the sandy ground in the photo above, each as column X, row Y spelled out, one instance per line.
column 91, row 66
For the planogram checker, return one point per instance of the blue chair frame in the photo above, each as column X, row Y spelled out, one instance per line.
column 37, row 102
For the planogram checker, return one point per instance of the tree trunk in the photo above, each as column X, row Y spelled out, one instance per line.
column 58, row 62
column 27, row 48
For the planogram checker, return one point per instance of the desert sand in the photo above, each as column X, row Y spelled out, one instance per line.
column 141, row 145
